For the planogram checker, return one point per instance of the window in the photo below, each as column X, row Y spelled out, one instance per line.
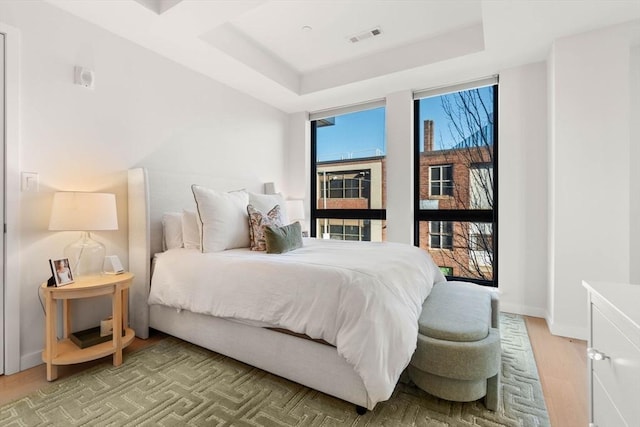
column 352, row 185
column 447, row 271
column 480, row 246
column 348, row 174
column 346, row 229
column 455, row 183
column 440, row 235
column 480, row 186
column 441, row 178
column 481, row 242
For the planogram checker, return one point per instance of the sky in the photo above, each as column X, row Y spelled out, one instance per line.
column 431, row 109
column 354, row 135
column 362, row 134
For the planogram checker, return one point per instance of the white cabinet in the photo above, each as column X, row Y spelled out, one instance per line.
column 614, row 354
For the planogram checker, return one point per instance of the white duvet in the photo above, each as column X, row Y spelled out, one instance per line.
column 364, row 298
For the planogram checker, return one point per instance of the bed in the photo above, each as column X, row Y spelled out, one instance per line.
column 341, row 325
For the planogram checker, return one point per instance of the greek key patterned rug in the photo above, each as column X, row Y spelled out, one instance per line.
column 173, row 383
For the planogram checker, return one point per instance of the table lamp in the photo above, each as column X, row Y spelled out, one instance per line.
column 295, row 212
column 85, row 212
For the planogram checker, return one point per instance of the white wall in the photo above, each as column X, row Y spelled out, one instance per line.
column 589, row 141
column 298, row 161
column 144, row 111
column 399, row 128
column 634, row 159
column 522, row 190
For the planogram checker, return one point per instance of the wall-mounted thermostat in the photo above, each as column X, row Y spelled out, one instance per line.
column 84, row 77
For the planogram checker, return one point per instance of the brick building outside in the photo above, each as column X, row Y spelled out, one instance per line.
column 456, row 178
column 352, row 184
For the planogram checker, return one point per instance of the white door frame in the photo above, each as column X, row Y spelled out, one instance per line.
column 2, row 201
column 12, row 279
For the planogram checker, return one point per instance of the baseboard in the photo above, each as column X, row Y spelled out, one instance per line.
column 30, row 360
column 523, row 310
column 568, row 331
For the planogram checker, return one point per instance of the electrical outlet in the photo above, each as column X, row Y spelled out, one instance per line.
column 30, row 182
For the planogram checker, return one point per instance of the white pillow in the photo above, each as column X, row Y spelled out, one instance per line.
column 266, row 202
column 190, row 231
column 171, row 230
column 223, row 218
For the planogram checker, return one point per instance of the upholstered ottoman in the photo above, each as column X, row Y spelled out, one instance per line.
column 458, row 354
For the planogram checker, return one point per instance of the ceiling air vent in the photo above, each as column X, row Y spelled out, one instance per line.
column 365, row 35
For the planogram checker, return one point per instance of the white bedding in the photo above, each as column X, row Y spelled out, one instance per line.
column 364, row 298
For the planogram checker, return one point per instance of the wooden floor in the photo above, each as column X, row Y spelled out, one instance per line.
column 562, row 366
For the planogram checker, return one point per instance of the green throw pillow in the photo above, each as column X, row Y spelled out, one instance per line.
column 283, row 239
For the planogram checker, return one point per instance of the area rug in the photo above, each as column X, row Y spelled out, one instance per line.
column 173, row 383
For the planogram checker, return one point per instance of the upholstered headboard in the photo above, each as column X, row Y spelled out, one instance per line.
column 152, row 193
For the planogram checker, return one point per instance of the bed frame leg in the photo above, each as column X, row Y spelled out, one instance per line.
column 361, row 410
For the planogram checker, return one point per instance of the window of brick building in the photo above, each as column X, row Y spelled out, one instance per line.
column 340, row 185
column 447, row 271
column 440, row 235
column 348, row 175
column 455, row 178
column 347, row 229
column 441, row 180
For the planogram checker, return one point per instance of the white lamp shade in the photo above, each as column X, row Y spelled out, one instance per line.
column 78, row 211
column 295, row 210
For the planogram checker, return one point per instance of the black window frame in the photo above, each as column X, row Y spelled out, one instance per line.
column 458, row 215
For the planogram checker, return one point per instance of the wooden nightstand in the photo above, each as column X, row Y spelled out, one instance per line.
column 64, row 351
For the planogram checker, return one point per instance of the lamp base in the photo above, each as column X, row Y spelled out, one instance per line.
column 86, row 256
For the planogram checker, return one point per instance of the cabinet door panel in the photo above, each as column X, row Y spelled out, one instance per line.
column 619, row 373
column 605, row 413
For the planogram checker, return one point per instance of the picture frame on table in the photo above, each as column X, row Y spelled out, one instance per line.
column 61, row 271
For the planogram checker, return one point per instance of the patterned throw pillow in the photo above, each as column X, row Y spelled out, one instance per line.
column 257, row 221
